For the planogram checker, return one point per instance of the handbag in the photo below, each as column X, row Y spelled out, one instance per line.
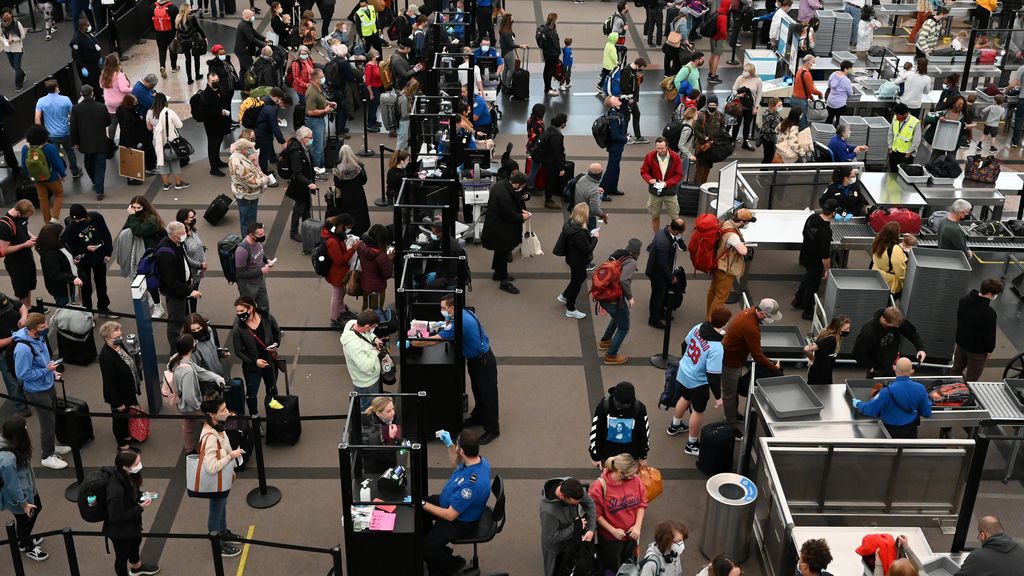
column 816, row 111
column 650, row 477
column 138, row 424
column 982, row 169
column 201, row 484
column 351, row 281
column 199, row 46
column 179, row 147
column 668, row 86
column 387, row 363
column 531, row 244
column 175, row 45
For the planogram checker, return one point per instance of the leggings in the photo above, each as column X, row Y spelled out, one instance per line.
column 191, row 59
column 549, row 71
column 126, row 551
column 769, row 152
column 834, row 114
column 747, row 120
column 577, row 276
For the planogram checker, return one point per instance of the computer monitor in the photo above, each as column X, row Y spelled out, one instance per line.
column 727, row 188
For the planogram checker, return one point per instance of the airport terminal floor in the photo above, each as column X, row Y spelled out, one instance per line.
column 550, row 370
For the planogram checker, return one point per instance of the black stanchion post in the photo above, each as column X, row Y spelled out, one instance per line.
column 383, row 200
column 12, row 542
column 366, row 152
column 69, row 546
column 218, row 558
column 336, row 561
column 32, row 19
column 71, row 492
column 738, row 23
column 662, row 359
column 263, row 496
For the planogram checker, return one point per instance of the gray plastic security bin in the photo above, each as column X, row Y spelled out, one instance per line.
column 729, row 519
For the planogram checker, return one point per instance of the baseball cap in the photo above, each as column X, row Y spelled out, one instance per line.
column 745, row 215
column 770, row 307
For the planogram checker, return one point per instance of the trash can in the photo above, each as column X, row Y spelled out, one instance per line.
column 729, row 519
column 708, row 203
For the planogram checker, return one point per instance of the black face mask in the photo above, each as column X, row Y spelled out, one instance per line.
column 117, row 342
column 260, row 238
column 243, row 316
column 844, row 333
column 202, row 335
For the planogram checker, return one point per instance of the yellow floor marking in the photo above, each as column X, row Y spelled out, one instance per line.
column 245, row 551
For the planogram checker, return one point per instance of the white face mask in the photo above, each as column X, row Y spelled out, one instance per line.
column 678, row 547
column 136, row 469
column 768, row 320
column 88, row 29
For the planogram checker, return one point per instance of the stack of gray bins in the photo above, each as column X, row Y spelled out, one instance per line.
column 857, row 294
column 878, row 143
column 843, row 32
column 936, row 280
column 858, row 135
column 823, row 38
column 822, row 133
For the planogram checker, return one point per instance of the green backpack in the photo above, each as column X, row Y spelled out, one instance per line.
column 36, row 164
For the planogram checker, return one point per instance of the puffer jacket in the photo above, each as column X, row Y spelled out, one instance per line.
column 340, row 252
column 377, row 268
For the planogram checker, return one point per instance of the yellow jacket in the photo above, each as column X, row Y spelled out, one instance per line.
column 989, row 5
column 892, row 266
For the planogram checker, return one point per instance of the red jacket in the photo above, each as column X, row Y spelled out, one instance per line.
column 301, row 69
column 723, row 22
column 371, row 75
column 651, row 169
column 339, row 255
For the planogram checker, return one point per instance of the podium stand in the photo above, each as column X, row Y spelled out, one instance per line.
column 383, row 534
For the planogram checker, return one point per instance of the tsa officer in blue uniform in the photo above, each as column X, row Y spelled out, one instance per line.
column 458, row 508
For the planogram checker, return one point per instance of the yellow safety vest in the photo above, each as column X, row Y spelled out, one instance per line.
column 903, row 138
column 367, row 20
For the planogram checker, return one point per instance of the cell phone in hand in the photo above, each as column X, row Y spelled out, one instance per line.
column 271, row 262
column 57, row 360
column 272, row 346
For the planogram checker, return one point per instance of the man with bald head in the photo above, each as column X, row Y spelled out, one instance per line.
column 999, row 555
column 589, row 191
column 247, row 41
column 900, row 403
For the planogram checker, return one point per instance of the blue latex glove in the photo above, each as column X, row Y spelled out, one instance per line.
column 857, row 402
column 848, row 217
column 446, row 437
column 85, row 73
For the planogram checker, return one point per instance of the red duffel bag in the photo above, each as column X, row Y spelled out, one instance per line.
column 910, row 222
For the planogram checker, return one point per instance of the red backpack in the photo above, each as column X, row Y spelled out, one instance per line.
column 604, row 283
column 703, row 245
column 161, row 18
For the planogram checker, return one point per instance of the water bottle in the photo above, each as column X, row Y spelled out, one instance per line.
column 91, row 500
column 364, row 492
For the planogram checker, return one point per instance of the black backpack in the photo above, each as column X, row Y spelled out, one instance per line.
column 710, row 26
column 569, row 192
column 284, row 160
column 673, row 390
column 196, row 107
column 92, row 494
column 9, row 357
column 321, row 261
column 601, row 129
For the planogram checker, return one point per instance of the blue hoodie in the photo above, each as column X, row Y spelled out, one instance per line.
column 31, row 362
column 899, row 403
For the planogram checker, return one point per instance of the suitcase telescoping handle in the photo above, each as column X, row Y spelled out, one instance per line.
column 282, row 366
column 526, row 58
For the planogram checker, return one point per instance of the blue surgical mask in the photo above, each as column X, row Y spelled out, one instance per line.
column 88, row 29
column 433, row 236
column 222, row 57
column 447, row 315
column 304, row 56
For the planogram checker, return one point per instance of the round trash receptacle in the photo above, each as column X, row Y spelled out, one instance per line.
column 708, row 202
column 728, row 521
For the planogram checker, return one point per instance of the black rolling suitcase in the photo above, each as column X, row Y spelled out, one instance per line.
column 217, row 209
column 234, row 395
column 298, row 116
column 77, row 352
column 283, row 424
column 689, row 199
column 26, row 190
column 239, row 433
column 73, row 425
column 520, row 88
column 231, row 8
column 717, row 443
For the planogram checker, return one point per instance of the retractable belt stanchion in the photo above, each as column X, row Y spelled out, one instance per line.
column 383, row 200
column 12, row 543
column 69, row 547
column 366, row 152
column 661, row 360
column 336, row 561
column 218, row 557
column 71, row 492
column 263, row 496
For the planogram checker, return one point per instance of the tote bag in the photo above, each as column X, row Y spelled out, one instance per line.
column 138, row 425
column 201, row 484
column 531, row 244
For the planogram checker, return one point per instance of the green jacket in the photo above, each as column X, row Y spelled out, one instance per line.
column 690, row 74
column 611, row 54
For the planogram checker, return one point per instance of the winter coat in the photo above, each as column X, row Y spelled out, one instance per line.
column 877, row 347
column 92, row 232
column 247, row 40
column 651, row 169
column 976, row 324
column 377, row 268
column 302, row 171
column 226, row 71
column 89, row 121
column 560, row 522
column 503, row 221
column 578, row 244
column 128, row 249
column 998, row 555
column 170, row 269
column 339, row 252
column 351, row 199
column 244, row 344
column 58, row 273
column 899, row 403
column 361, row 356
column 124, row 513
column 190, row 34
column 118, row 379
column 661, row 256
column 616, row 431
column 132, row 127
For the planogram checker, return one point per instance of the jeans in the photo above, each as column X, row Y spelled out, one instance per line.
column 247, row 212
column 801, row 103
column 253, row 376
column 19, row 75
column 854, row 13
column 730, row 392
column 12, row 385
column 610, row 180
column 374, row 105
column 402, row 142
column 217, row 520
column 534, row 170
column 69, row 151
column 370, row 391
column 96, row 168
column 577, row 276
column 319, row 128
column 47, row 422
column 618, row 325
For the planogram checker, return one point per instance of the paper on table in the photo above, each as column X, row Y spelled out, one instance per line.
column 384, row 507
column 382, row 521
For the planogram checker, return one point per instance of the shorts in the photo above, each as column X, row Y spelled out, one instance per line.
column 990, row 130
column 656, row 203
column 717, row 46
column 23, row 277
column 698, row 397
column 169, row 168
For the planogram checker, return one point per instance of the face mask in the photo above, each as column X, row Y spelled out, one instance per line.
column 994, row 297
column 713, row 108
column 485, row 48
column 446, row 314
column 88, row 29
column 202, row 335
column 260, row 238
column 768, row 320
column 433, row 236
column 304, row 56
column 222, row 57
column 323, row 80
column 135, row 469
column 243, row 316
column 844, row 333
column 678, row 548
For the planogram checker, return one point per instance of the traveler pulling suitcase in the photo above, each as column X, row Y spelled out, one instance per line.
column 716, row 448
column 521, row 79
column 73, row 426
column 217, row 209
column 283, row 424
column 310, row 228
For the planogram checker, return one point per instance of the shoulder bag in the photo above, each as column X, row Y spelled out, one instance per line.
column 387, row 363
column 201, row 484
column 180, row 147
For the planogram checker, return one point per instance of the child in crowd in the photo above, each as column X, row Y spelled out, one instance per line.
column 46, row 9
column 993, row 114
column 292, row 38
column 866, row 30
column 566, row 64
column 959, row 43
column 692, row 100
column 307, row 30
column 908, row 243
column 969, row 114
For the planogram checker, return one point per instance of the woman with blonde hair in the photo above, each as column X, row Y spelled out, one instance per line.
column 350, row 194
column 379, row 429
column 748, row 79
column 115, row 86
column 192, row 39
column 822, row 353
column 620, row 500
column 165, row 123
column 887, row 259
column 404, row 111
column 576, row 244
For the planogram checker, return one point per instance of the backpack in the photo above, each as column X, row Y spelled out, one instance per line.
column 956, row 394
column 710, row 26
column 609, row 24
column 147, row 268
column 673, row 389
column 332, row 74
column 161, row 18
column 703, row 244
column 393, row 30
column 94, row 488
column 387, row 75
column 196, row 107
column 887, row 90
column 249, row 111
column 321, row 261
column 284, row 160
column 569, row 192
column 631, row 568
column 289, row 76
column 36, row 164
column 542, row 36
column 389, row 112
column 604, row 283
column 613, row 82
column 226, row 251
column 601, row 130
column 9, row 358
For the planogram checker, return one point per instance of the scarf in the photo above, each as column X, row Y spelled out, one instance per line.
column 130, row 362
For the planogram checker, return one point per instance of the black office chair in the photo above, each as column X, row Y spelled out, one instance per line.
column 491, row 523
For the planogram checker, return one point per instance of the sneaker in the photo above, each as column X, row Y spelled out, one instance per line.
column 144, row 570
column 167, row 187
column 229, row 551
column 553, row 92
column 591, row 267
column 218, row 173
column 49, row 37
column 319, row 170
column 552, row 205
column 1014, row 145
column 76, row 174
column 36, row 541
column 181, row 185
column 992, row 149
column 604, row 344
column 576, row 314
column 54, row 462
column 54, row 221
column 508, row 287
column 60, row 449
column 163, row 73
column 282, row 122
column 714, row 79
column 673, row 429
column 153, row 172
column 615, row 360
column 175, row 69
column 158, row 311
column 560, row 298
column 630, row 139
column 692, row 448
column 106, row 313
column 36, row 553
column 641, row 140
